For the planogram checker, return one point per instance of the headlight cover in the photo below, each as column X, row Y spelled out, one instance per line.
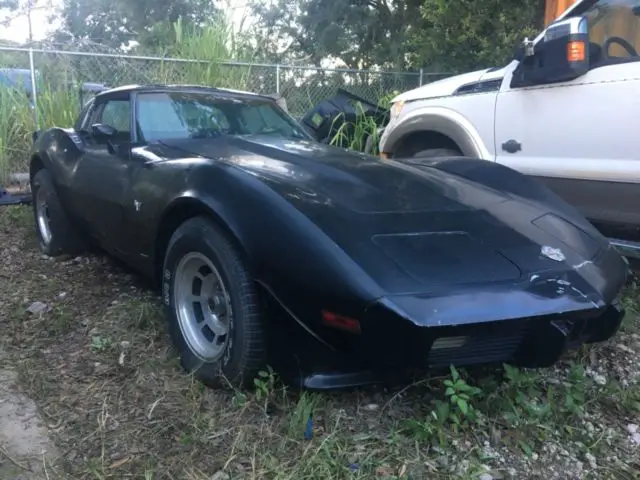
column 569, row 233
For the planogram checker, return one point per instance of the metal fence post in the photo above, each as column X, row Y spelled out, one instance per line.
column 34, row 92
column 421, row 75
column 278, row 79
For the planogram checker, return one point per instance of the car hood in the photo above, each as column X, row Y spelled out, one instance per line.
column 411, row 228
column 342, row 179
column 449, row 85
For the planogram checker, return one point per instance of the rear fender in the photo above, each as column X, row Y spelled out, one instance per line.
column 58, row 150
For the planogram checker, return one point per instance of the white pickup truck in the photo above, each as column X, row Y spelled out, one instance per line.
column 564, row 110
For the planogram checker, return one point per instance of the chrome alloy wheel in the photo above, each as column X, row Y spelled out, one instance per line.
column 42, row 217
column 203, row 306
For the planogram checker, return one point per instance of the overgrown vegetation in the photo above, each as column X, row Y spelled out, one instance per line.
column 355, row 135
column 98, row 363
column 58, row 94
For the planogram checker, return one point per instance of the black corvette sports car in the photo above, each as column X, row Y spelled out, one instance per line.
column 334, row 267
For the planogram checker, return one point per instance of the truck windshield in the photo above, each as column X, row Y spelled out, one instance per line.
column 181, row 115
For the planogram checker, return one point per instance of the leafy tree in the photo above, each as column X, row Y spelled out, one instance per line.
column 399, row 34
column 360, row 33
column 467, row 34
column 114, row 23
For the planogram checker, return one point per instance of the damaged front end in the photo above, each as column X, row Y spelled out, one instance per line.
column 388, row 350
column 334, row 120
column 532, row 323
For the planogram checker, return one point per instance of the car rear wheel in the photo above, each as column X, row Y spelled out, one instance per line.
column 55, row 233
column 215, row 320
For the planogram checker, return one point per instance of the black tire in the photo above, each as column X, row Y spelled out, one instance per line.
column 245, row 354
column 63, row 239
column 438, row 152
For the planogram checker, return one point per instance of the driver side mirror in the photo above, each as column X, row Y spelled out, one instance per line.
column 103, row 132
column 561, row 55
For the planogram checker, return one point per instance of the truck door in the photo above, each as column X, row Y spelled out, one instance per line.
column 579, row 137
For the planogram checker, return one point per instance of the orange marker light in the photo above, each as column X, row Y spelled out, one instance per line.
column 576, row 51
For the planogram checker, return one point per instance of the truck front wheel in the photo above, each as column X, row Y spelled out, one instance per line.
column 438, row 152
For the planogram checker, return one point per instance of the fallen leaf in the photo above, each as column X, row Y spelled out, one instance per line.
column 119, row 463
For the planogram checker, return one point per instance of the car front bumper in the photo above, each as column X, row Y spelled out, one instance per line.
column 529, row 342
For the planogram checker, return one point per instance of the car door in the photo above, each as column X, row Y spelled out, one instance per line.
column 579, row 136
column 101, row 180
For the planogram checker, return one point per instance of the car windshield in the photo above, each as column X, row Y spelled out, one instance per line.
column 181, row 115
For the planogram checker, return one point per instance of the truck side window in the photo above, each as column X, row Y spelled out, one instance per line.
column 614, row 31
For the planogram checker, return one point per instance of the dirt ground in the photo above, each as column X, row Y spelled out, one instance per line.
column 25, row 446
column 90, row 389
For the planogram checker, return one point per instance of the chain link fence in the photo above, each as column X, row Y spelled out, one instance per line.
column 57, row 77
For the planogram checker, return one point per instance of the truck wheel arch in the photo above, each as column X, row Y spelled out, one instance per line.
column 435, row 127
column 415, row 142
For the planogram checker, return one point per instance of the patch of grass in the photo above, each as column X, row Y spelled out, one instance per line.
column 100, row 367
column 355, row 135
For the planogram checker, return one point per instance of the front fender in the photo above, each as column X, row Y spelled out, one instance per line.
column 288, row 254
column 189, row 203
column 437, row 119
column 280, row 242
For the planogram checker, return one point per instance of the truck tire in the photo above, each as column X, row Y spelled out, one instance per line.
column 55, row 233
column 438, row 152
column 215, row 320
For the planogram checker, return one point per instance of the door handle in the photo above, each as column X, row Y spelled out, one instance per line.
column 511, row 146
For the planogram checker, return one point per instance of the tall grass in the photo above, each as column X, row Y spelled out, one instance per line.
column 210, row 45
column 16, row 125
column 364, row 130
column 59, row 104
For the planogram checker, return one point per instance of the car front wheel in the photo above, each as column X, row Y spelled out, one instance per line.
column 215, row 320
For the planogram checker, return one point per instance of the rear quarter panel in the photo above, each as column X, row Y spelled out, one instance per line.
column 59, row 151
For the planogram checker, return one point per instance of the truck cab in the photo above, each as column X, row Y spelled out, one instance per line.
column 561, row 110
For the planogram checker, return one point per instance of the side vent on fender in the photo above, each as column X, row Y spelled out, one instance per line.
column 479, row 87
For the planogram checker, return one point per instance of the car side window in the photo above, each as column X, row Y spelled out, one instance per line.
column 114, row 112
column 117, row 114
column 84, row 119
column 614, row 31
column 257, row 119
column 269, row 115
column 251, row 120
